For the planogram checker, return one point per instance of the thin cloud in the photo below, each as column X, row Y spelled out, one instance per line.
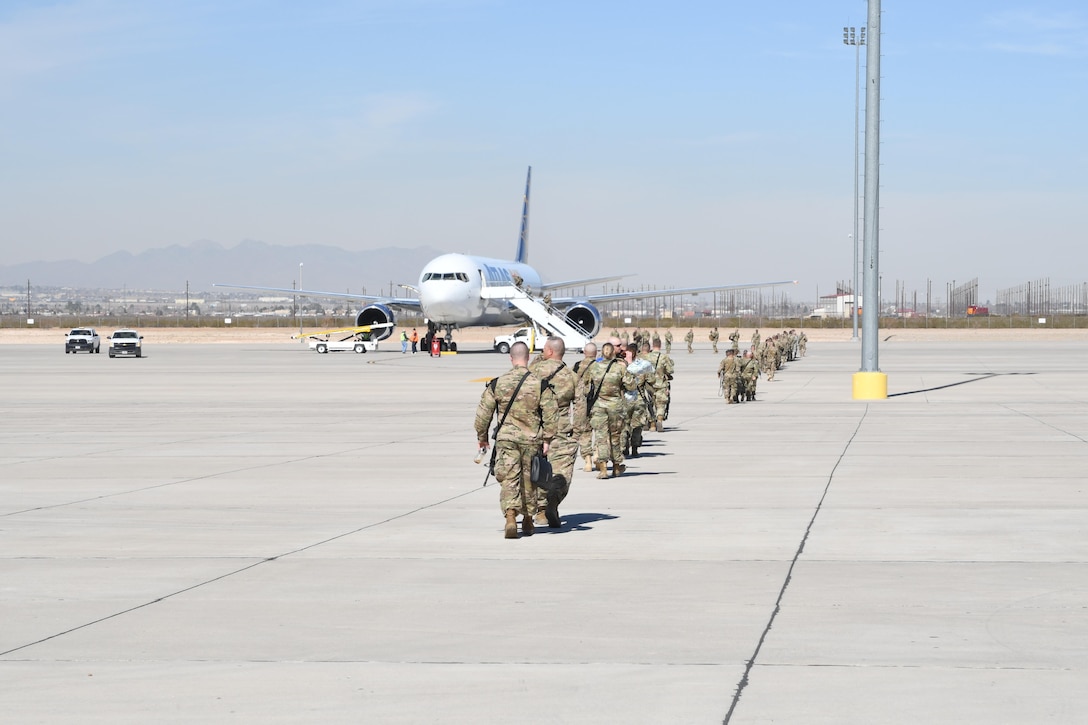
column 389, row 110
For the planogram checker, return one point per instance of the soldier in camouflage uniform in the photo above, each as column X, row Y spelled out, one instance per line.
column 558, row 382
column 583, row 431
column 690, row 338
column 802, row 344
column 641, row 401
column 608, row 380
column 529, row 427
column 766, row 358
column 663, row 370
column 668, row 341
column 714, row 339
column 729, row 372
column 734, row 337
column 755, row 342
column 750, row 374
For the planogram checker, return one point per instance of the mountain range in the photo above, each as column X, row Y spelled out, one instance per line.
column 251, row 262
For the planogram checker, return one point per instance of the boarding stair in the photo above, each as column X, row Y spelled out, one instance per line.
column 547, row 319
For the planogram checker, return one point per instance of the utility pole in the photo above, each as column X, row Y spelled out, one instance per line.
column 869, row 383
column 850, row 36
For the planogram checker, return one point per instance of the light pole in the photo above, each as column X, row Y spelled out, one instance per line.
column 300, row 298
column 850, row 36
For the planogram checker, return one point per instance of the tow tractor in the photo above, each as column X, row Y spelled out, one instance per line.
column 356, row 339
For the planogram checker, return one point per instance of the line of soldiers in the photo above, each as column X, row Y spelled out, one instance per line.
column 739, row 373
column 600, row 406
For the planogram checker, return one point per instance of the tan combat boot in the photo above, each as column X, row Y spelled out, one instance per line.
column 617, row 469
column 511, row 524
column 602, row 469
column 527, row 527
column 660, row 424
column 589, row 465
column 541, row 518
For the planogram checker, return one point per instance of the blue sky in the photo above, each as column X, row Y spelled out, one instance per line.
column 690, row 142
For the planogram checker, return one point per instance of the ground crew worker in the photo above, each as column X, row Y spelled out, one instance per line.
column 524, row 428
column 557, row 382
column 690, row 338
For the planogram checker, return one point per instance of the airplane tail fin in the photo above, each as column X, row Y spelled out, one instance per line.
column 522, row 255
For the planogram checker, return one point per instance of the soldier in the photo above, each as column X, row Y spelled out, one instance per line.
column 580, row 418
column 558, row 382
column 641, row 401
column 755, row 342
column 608, row 380
column 729, row 372
column 524, row 428
column 714, row 339
column 668, row 341
column 766, row 358
column 663, row 370
column 749, row 374
column 802, row 344
column 734, row 337
column 690, row 338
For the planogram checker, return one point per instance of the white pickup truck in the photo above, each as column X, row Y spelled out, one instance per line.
column 522, row 334
column 126, row 342
column 82, row 338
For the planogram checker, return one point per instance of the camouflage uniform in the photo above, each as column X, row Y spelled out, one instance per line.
column 519, row 438
column 714, row 339
column 729, row 372
column 639, row 404
column 750, row 374
column 690, row 338
column 668, row 341
column 663, row 370
column 755, row 342
column 802, row 344
column 734, row 337
column 559, row 384
column 766, row 358
column 608, row 381
column 583, row 431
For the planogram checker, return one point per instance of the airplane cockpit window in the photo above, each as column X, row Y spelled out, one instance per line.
column 453, row 276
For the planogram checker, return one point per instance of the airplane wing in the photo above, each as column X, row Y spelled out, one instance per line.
column 405, row 302
column 647, row 294
column 582, row 282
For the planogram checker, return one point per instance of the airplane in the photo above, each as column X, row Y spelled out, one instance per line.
column 451, row 292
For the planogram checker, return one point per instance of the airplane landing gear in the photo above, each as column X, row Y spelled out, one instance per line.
column 445, row 343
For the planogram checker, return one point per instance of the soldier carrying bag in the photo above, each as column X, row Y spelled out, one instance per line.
column 595, row 393
column 495, row 434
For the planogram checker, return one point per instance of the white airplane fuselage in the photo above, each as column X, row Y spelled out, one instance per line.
column 451, row 290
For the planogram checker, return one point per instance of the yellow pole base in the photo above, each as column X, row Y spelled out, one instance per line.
column 870, row 386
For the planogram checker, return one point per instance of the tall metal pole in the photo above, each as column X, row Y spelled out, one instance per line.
column 869, row 382
column 850, row 36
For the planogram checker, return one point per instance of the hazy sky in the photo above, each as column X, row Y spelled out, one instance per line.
column 688, row 142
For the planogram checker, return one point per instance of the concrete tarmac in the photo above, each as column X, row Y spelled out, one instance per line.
column 257, row 533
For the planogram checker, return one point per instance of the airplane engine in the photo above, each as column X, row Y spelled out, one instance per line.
column 585, row 316
column 376, row 315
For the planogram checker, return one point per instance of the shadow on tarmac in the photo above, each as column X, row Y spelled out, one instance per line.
column 577, row 522
column 982, row 376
